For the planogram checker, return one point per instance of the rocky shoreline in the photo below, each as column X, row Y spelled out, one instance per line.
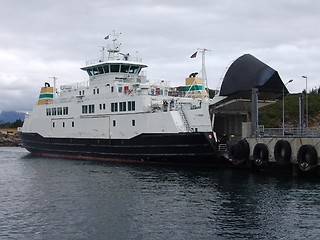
column 9, row 141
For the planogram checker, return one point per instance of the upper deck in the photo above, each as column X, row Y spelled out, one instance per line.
column 116, row 76
column 115, row 66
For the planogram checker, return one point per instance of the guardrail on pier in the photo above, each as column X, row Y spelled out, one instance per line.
column 289, row 132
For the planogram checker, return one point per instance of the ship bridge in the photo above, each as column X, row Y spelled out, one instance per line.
column 115, row 70
column 116, row 66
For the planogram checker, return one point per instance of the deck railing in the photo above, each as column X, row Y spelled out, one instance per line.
column 288, row 132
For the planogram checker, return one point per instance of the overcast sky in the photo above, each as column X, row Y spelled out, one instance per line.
column 44, row 38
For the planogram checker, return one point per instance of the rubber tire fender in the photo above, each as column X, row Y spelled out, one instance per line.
column 282, row 151
column 260, row 154
column 307, row 157
column 235, row 152
column 245, row 148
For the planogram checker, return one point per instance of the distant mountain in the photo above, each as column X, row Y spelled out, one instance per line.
column 10, row 116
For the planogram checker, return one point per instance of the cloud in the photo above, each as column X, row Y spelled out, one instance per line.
column 44, row 38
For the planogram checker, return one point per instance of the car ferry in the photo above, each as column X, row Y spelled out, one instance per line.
column 120, row 115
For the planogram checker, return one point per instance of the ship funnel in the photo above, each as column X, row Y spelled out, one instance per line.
column 46, row 95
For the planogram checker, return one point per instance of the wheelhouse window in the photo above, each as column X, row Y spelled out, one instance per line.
column 106, row 68
column 95, row 71
column 100, row 70
column 114, row 68
column 125, row 68
column 134, row 69
column 89, row 71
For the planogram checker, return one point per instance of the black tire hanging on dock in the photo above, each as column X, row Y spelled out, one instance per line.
column 245, row 148
column 235, row 151
column 239, row 152
column 282, row 152
column 235, row 154
column 260, row 154
column 307, row 157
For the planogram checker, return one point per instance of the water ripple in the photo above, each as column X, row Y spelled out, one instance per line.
column 64, row 199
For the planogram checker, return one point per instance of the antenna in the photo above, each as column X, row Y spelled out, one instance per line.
column 54, row 85
column 103, row 48
column 115, row 46
column 204, row 73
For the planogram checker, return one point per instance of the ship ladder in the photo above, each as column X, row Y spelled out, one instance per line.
column 184, row 118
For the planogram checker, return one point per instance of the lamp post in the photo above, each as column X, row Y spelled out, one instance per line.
column 283, row 105
column 307, row 111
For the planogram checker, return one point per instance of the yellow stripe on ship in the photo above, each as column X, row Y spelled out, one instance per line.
column 46, row 90
column 46, row 95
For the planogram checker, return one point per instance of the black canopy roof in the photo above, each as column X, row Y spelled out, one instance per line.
column 248, row 72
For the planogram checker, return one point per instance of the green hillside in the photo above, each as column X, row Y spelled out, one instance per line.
column 271, row 116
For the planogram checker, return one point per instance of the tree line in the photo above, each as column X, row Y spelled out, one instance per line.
column 17, row 123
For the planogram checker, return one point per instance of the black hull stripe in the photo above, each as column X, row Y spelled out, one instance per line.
column 120, row 154
column 195, row 148
column 119, row 146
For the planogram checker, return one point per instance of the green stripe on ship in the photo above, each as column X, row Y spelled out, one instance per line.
column 46, row 95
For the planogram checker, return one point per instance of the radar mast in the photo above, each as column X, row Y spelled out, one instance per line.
column 114, row 49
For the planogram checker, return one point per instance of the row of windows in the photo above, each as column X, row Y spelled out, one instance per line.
column 88, row 108
column 124, row 89
column 57, row 111
column 95, row 91
column 115, row 107
column 113, row 68
column 123, row 106
column 114, row 123
column 63, row 124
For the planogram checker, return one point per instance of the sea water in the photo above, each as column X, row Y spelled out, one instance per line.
column 42, row 198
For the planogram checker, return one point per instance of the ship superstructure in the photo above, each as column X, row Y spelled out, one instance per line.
column 119, row 115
